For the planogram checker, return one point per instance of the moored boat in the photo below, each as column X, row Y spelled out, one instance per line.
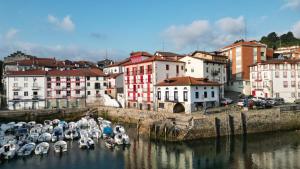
column 60, row 146
column 42, row 148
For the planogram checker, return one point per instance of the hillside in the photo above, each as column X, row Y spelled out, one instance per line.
column 274, row 41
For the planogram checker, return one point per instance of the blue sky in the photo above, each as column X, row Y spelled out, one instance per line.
column 81, row 29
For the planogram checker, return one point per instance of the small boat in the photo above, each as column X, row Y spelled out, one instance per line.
column 42, row 148
column 105, row 123
column 26, row 150
column 122, row 139
column 48, row 122
column 83, row 133
column 86, row 142
column 8, row 151
column 72, row 125
column 57, row 134
column 55, row 122
column 36, row 129
column 45, row 137
column 83, row 123
column 47, row 128
column 95, row 133
column 60, row 146
column 118, row 129
column 63, row 125
column 71, row 134
column 109, row 143
column 33, row 137
column 107, row 132
column 31, row 124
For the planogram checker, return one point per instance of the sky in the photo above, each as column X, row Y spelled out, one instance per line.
column 93, row 30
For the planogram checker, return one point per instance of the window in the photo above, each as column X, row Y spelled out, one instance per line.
column 25, row 84
column 207, row 70
column 285, row 84
column 77, row 91
column 212, row 93
column 88, row 84
column 293, row 84
column 25, row 93
column 68, row 93
column 16, row 94
column 167, row 95
column 97, row 78
column 277, row 74
column 35, row 93
column 205, row 94
column 77, row 84
column 167, row 67
column 127, row 71
column 197, row 95
column 177, row 69
column 48, row 78
column 57, row 84
column 175, row 95
column 158, row 95
column 58, row 92
column 285, row 74
column 88, row 78
column 68, row 85
column 77, row 78
column 57, row 78
column 48, row 85
column 277, row 95
column 161, row 105
column 181, row 67
column 141, row 69
column 185, row 95
column 48, row 93
column 88, row 92
column 68, row 79
column 293, row 74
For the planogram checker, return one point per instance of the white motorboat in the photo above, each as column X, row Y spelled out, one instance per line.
column 45, row 137
column 57, row 134
column 63, row 124
column 118, row 129
column 83, row 123
column 83, row 133
column 95, row 133
column 55, row 122
column 42, row 148
column 31, row 123
column 33, row 137
column 36, row 129
column 72, row 125
column 7, row 139
column 86, row 142
column 8, row 151
column 47, row 128
column 105, row 123
column 48, row 122
column 26, row 150
column 71, row 134
column 122, row 139
column 60, row 146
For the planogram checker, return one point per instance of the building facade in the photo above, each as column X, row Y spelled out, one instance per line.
column 186, row 94
column 210, row 68
column 276, row 78
column 142, row 73
column 240, row 55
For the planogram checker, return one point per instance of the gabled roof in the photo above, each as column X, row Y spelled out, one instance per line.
column 277, row 61
column 245, row 43
column 208, row 53
column 27, row 73
column 187, row 81
column 155, row 58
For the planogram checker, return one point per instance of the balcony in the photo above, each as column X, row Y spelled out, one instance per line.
column 16, row 88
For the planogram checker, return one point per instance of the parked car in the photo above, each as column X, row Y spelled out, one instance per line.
column 279, row 100
column 297, row 101
column 241, row 103
column 263, row 104
column 271, row 101
column 226, row 101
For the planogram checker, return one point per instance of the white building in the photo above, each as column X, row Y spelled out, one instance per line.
column 276, row 78
column 213, row 70
column 186, row 94
column 26, row 90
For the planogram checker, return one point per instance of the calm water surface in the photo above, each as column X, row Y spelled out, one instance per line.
column 276, row 150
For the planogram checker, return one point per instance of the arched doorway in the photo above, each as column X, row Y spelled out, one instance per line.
column 178, row 108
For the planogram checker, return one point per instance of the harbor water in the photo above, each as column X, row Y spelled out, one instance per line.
column 273, row 150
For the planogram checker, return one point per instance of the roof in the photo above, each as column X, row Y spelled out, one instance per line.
column 76, row 72
column 26, row 73
column 115, row 75
column 187, row 81
column 245, row 43
column 277, row 61
column 209, row 53
column 120, row 63
column 209, row 61
column 140, row 53
column 154, row 58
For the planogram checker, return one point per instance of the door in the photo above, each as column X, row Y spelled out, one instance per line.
column 253, row 93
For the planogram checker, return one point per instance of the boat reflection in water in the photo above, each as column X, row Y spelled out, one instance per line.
column 275, row 150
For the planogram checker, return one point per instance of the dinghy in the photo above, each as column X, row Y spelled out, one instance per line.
column 42, row 148
column 122, row 139
column 57, row 134
column 33, row 137
column 60, row 146
column 95, row 133
column 8, row 151
column 26, row 150
column 47, row 128
column 86, row 142
column 45, row 137
column 118, row 129
column 107, row 132
column 48, row 122
column 71, row 134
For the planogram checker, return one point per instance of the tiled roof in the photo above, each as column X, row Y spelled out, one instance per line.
column 244, row 43
column 113, row 76
column 76, row 72
column 187, row 81
column 140, row 53
column 277, row 61
column 209, row 53
column 155, row 58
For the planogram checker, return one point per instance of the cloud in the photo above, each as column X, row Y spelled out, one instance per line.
column 65, row 23
column 291, row 4
column 296, row 29
column 11, row 33
column 97, row 35
column 232, row 25
column 203, row 33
